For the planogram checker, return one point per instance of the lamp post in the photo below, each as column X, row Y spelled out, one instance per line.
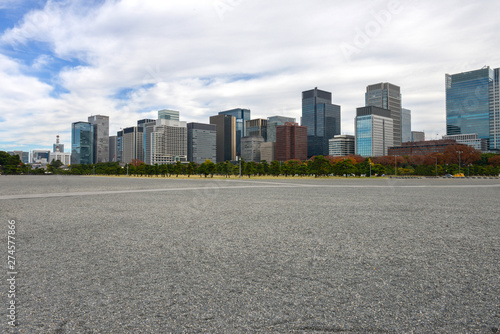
column 395, row 166
column 459, row 152
column 436, row 165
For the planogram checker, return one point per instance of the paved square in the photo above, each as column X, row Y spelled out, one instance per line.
column 102, row 255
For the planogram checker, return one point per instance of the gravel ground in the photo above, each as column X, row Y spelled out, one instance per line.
column 118, row 255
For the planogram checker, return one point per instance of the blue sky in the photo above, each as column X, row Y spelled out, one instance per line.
column 62, row 61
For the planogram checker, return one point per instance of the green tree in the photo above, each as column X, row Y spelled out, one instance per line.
column 320, row 166
column 275, row 168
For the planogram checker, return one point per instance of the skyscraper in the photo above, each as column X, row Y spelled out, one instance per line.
column 143, row 123
column 171, row 115
column 374, row 131
column 291, row 142
column 119, row 146
column 82, row 143
column 273, row 122
column 112, row 149
column 202, row 142
column 225, row 137
column 101, row 137
column 132, row 144
column 322, row 119
column 241, row 115
column 168, row 142
column 256, row 127
column 473, row 106
column 405, row 125
column 387, row 96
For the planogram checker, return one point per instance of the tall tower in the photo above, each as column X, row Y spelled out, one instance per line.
column 291, row 142
column 473, row 106
column 225, row 136
column 387, row 96
column 58, row 147
column 82, row 143
column 101, row 137
column 241, row 115
column 322, row 119
column 374, row 131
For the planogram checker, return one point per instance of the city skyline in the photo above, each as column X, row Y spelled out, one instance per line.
column 63, row 61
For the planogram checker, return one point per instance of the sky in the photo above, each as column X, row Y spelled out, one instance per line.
column 64, row 60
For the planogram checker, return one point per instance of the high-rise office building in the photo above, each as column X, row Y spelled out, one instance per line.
column 374, row 131
column 82, row 143
column 119, row 146
column 241, row 115
column 291, row 142
column 250, row 148
column 225, row 137
column 342, row 145
column 132, row 144
column 170, row 115
column 112, row 149
column 168, row 142
column 405, row 125
column 256, row 127
column 273, row 122
column 101, row 137
column 322, row 119
column 143, row 123
column 473, row 105
column 387, row 96
column 201, row 142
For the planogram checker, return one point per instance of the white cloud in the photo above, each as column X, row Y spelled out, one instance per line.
column 259, row 55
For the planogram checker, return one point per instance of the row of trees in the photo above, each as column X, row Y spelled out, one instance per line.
column 468, row 161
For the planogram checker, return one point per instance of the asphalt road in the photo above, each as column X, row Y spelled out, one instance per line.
column 118, row 255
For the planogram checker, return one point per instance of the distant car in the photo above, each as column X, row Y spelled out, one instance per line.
column 459, row 175
column 448, row 176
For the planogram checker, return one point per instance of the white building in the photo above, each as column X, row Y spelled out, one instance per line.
column 168, row 142
column 472, row 140
column 341, row 145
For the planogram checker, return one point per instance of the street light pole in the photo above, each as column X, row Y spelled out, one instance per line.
column 395, row 166
column 436, row 165
column 459, row 152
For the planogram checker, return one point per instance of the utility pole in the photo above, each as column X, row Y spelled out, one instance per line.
column 459, row 152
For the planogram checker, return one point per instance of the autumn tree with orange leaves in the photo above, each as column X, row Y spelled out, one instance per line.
column 468, row 155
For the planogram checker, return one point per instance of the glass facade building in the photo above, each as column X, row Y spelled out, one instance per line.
column 256, row 128
column 387, row 96
column 405, row 125
column 322, row 119
column 374, row 131
column 472, row 105
column 82, row 143
column 242, row 116
column 170, row 115
column 273, row 122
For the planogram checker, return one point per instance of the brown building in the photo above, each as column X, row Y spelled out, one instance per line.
column 422, row 147
column 291, row 142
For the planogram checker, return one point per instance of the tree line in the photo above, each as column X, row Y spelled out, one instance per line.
column 454, row 159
